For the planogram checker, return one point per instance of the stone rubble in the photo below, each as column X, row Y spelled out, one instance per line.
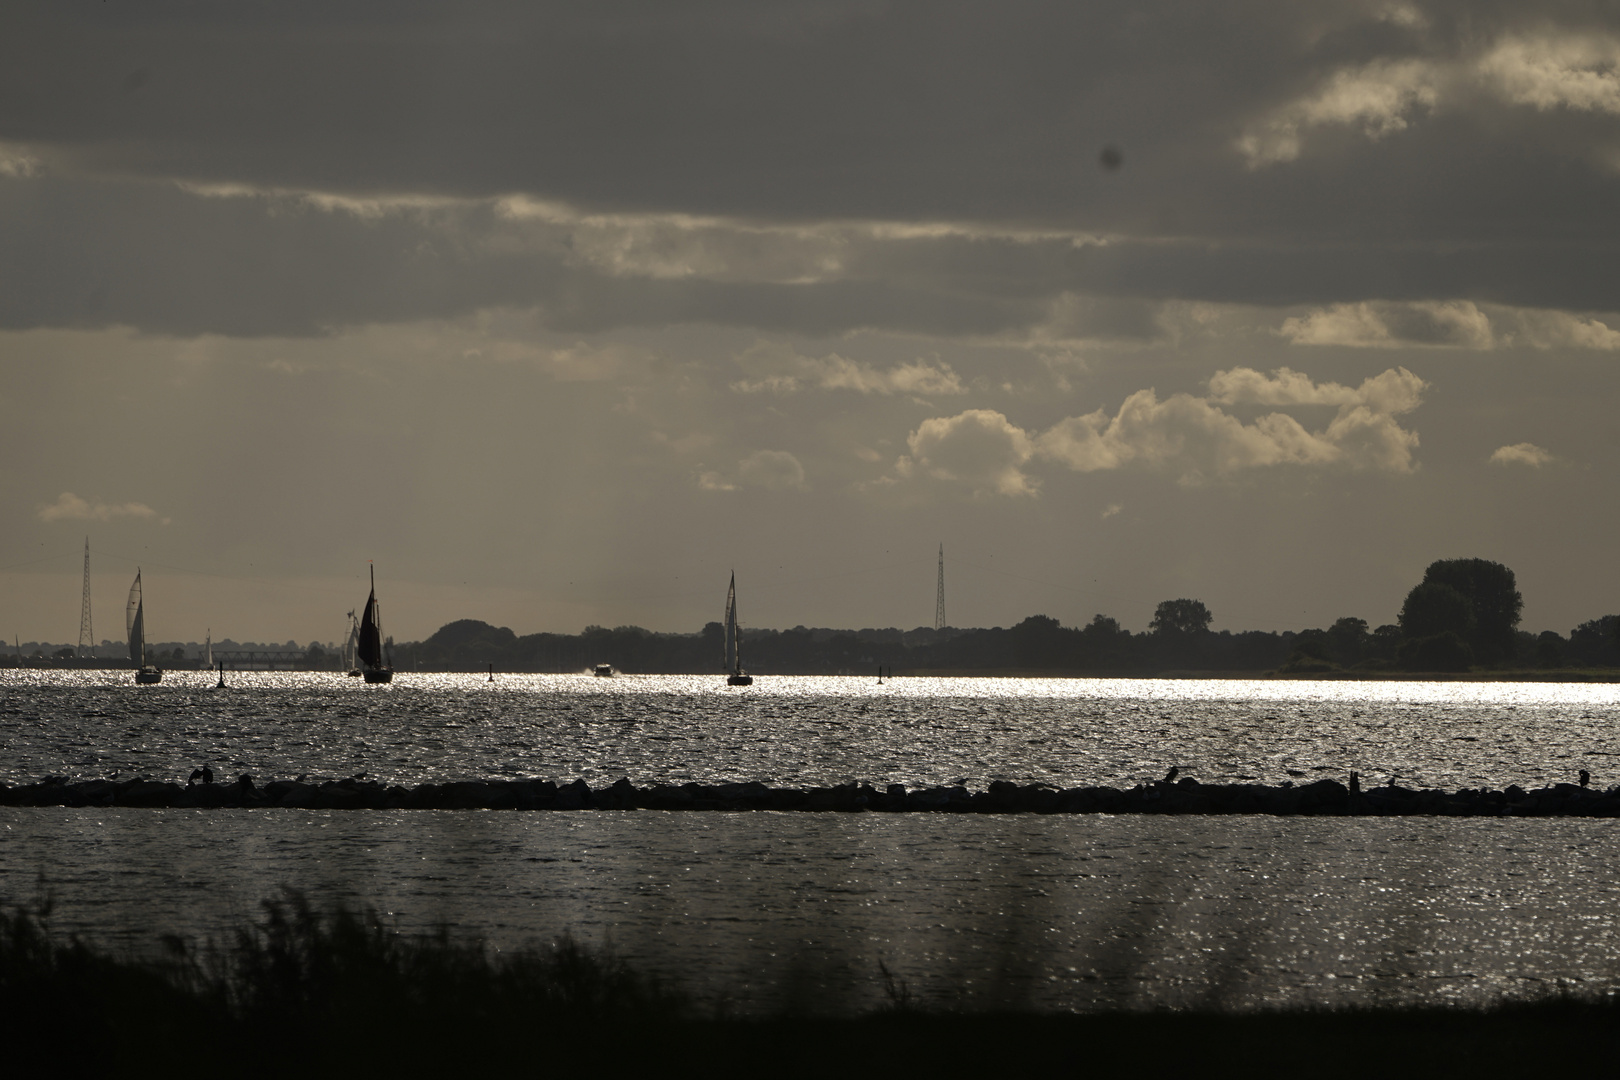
column 1187, row 796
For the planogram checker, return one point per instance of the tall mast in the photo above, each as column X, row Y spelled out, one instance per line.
column 87, row 637
column 939, row 596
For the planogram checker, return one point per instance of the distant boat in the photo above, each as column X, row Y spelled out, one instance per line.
column 370, row 648
column 135, row 625
column 733, row 661
column 604, row 671
column 351, row 662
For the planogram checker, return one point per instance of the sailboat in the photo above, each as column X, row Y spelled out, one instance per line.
column 135, row 625
column 351, row 661
column 734, row 671
column 370, row 648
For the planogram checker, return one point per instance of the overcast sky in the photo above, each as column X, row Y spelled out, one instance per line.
column 560, row 313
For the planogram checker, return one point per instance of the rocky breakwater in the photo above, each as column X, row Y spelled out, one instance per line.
column 1188, row 796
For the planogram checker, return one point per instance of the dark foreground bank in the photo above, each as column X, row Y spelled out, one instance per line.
column 1188, row 796
column 324, row 993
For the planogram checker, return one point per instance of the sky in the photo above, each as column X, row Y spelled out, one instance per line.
column 557, row 315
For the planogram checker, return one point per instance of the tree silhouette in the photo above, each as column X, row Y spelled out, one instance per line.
column 1180, row 617
column 1492, row 598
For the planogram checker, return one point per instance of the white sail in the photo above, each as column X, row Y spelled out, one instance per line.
column 135, row 623
column 733, row 661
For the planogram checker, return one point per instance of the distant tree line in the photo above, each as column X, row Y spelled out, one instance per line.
column 1464, row 614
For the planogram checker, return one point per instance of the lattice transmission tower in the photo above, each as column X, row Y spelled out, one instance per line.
column 87, row 637
column 939, row 596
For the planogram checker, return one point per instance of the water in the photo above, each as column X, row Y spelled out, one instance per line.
column 806, row 731
column 767, row 909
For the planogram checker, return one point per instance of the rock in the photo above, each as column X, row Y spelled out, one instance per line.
column 789, row 799
column 893, row 799
column 150, row 793
column 535, row 794
column 664, row 797
column 574, row 796
column 620, row 796
column 335, row 796
column 751, row 796
column 291, row 793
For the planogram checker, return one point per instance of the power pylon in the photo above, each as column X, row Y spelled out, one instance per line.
column 939, row 596
column 87, row 637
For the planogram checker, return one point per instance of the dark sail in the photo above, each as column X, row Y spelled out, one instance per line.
column 733, row 662
column 370, row 635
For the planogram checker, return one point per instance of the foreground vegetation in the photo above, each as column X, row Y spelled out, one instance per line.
column 326, row 992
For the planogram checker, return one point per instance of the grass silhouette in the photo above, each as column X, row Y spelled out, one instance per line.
column 329, row 991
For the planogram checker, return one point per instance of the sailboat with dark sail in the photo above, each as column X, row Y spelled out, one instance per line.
column 135, row 626
column 734, row 672
column 374, row 665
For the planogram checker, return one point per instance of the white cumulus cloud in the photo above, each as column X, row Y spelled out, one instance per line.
column 1543, row 70
column 70, row 507
column 1193, row 438
column 1580, row 72
column 1459, row 324
column 1380, row 98
column 1389, row 324
column 980, row 448
column 710, row 480
column 1526, row 454
column 776, row 469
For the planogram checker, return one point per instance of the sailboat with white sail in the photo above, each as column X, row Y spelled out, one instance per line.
column 351, row 649
column 135, row 625
column 375, row 666
column 735, row 676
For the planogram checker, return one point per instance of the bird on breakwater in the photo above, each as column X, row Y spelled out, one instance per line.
column 1586, row 778
column 1170, row 777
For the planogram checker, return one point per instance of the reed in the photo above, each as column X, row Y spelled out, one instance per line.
column 328, row 991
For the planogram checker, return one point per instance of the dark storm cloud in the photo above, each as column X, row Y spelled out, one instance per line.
column 92, row 254
column 1267, row 153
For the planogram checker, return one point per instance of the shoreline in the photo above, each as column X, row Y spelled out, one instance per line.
column 1529, row 675
column 1322, row 798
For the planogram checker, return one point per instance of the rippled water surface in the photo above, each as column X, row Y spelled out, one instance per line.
column 772, row 908
column 789, row 731
column 1055, row 912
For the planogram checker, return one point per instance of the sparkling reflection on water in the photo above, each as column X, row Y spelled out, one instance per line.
column 811, row 730
column 1055, row 912
column 768, row 909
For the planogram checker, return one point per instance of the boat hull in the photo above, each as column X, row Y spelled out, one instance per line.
column 739, row 680
column 146, row 676
column 380, row 676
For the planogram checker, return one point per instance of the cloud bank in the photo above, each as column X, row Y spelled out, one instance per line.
column 1194, row 439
